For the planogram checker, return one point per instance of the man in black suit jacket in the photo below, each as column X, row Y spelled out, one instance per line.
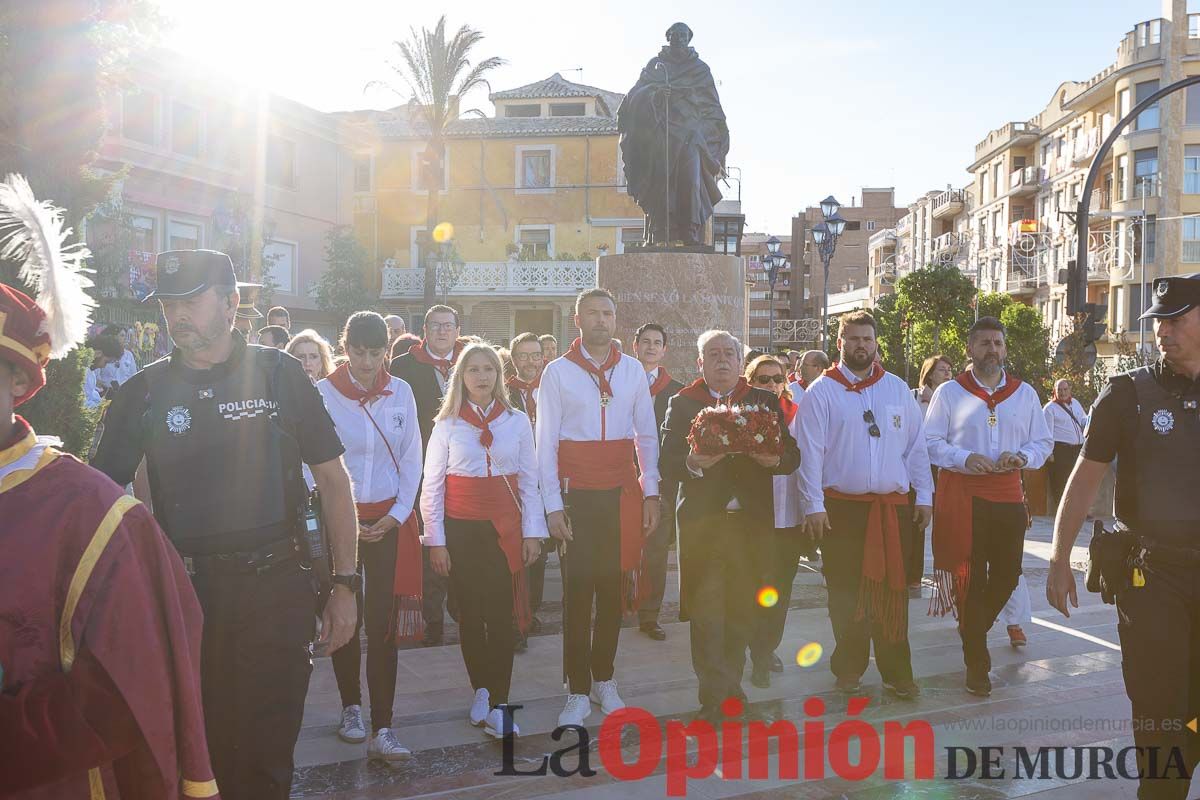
column 650, row 347
column 426, row 368
column 726, row 515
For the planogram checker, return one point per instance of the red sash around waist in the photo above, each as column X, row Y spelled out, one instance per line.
column 952, row 534
column 609, row 464
column 883, row 591
column 406, row 581
column 490, row 499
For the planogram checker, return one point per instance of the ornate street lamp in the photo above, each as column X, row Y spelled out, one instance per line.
column 825, row 236
column 772, row 262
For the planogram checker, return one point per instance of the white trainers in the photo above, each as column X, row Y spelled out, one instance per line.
column 352, row 729
column 385, row 747
column 480, row 707
column 604, row 694
column 495, row 724
column 576, row 711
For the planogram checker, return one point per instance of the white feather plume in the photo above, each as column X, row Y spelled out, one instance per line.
column 32, row 230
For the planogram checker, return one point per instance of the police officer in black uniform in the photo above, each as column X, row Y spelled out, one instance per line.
column 1148, row 420
column 223, row 428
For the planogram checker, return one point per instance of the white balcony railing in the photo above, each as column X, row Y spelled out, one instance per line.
column 520, row 278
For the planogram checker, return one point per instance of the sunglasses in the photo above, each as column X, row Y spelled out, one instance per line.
column 765, row 379
column 869, row 418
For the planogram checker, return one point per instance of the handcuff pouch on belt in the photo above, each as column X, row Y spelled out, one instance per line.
column 1112, row 561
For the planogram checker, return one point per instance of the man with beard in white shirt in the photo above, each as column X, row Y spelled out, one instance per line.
column 983, row 428
column 862, row 447
column 594, row 411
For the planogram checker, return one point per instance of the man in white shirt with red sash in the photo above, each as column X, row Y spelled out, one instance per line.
column 983, row 428
column 862, row 447
column 594, row 411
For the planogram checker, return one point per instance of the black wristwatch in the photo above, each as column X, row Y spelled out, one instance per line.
column 351, row 582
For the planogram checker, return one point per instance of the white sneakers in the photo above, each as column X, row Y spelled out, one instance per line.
column 385, row 747
column 352, row 729
column 495, row 724
column 576, row 711
column 604, row 694
column 480, row 707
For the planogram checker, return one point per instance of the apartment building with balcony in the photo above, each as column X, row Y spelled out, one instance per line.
column 534, row 193
column 936, row 230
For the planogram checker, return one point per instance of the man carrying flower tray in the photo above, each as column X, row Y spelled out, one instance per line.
column 723, row 441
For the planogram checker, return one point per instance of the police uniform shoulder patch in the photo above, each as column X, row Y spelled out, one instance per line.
column 1163, row 421
column 179, row 420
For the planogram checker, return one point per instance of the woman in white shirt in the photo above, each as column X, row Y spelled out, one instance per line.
column 484, row 522
column 376, row 417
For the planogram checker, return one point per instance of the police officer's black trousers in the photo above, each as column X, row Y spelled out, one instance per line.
column 997, row 545
column 593, row 573
column 655, row 557
column 727, row 559
column 255, row 665
column 482, row 586
column 842, row 550
column 1159, row 626
column 790, row 544
column 375, row 609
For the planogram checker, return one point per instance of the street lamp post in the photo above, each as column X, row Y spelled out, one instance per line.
column 825, row 236
column 772, row 263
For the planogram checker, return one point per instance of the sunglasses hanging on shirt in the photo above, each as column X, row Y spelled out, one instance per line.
column 869, row 418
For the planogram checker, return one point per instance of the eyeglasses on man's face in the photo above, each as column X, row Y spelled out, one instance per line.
column 527, row 356
column 442, row 326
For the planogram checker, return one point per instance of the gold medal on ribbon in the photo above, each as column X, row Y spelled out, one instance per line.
column 605, row 399
column 992, row 421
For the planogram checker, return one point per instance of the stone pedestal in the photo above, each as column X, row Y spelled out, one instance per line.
column 686, row 293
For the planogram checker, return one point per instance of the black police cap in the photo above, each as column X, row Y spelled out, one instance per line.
column 1173, row 296
column 184, row 273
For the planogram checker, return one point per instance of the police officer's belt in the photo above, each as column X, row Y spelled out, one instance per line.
column 249, row 562
column 1167, row 555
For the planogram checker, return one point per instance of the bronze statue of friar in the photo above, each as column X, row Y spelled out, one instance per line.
column 674, row 141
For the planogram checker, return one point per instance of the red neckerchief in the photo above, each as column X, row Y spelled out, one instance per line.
column 660, row 382
column 341, row 380
column 467, row 412
column 874, row 377
column 575, row 355
column 792, row 377
column 526, row 389
column 968, row 382
column 789, row 408
column 421, row 353
column 698, row 390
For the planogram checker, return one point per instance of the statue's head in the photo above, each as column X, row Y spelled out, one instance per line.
column 679, row 35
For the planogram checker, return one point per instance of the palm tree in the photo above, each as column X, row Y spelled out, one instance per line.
column 438, row 73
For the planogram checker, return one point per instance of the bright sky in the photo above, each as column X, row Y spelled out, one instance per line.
column 821, row 97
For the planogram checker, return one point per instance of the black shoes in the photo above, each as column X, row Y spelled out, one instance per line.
column 433, row 636
column 978, row 682
column 653, row 630
column 776, row 663
column 761, row 677
column 849, row 685
column 903, row 690
column 520, row 644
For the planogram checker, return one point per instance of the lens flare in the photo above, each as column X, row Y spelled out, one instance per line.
column 809, row 654
column 443, row 232
column 768, row 596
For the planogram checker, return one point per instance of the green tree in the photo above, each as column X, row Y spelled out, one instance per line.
column 1028, row 345
column 58, row 410
column 889, row 333
column 938, row 294
column 437, row 73
column 340, row 288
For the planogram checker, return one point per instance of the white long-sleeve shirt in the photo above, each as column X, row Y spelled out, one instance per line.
column 120, row 370
column 789, row 502
column 372, row 472
column 956, row 426
column 91, row 388
column 569, row 408
column 454, row 449
column 1062, row 427
column 836, row 448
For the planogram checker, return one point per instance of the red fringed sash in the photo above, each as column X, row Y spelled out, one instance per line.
column 883, row 590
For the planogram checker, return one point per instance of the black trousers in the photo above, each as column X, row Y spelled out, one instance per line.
column 433, row 595
column 728, row 559
column 1060, row 469
column 655, row 559
column 842, row 550
column 997, row 544
column 790, row 544
column 255, row 664
column 593, row 573
column 377, row 565
column 1159, row 626
column 482, row 586
column 535, row 578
